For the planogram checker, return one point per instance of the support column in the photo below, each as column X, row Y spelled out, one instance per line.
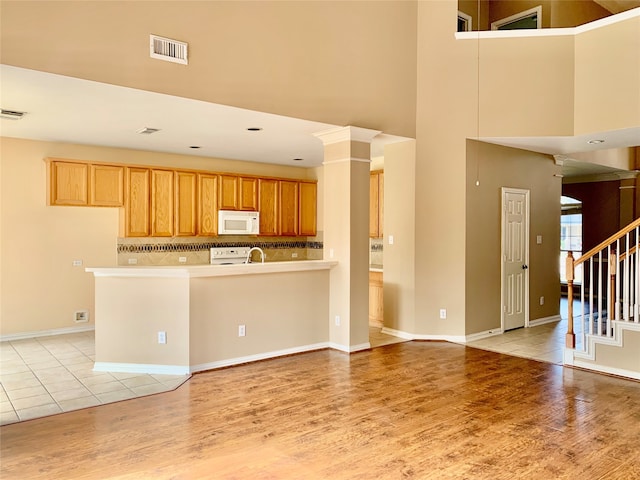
column 346, row 233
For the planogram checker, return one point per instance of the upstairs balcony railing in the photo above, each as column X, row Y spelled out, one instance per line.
column 610, row 288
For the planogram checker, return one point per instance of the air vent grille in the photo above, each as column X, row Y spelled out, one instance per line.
column 12, row 114
column 167, row 49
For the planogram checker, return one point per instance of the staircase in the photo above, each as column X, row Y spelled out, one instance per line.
column 603, row 332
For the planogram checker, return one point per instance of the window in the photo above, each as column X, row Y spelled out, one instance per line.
column 570, row 235
column 528, row 19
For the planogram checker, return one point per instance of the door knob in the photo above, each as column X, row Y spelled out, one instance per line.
column 524, row 267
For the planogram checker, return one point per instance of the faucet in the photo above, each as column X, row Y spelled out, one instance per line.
column 253, row 249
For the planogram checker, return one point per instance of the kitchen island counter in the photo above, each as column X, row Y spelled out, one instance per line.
column 210, row 316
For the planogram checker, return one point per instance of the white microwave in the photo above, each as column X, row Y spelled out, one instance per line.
column 232, row 222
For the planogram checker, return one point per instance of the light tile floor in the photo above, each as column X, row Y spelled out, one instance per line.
column 544, row 342
column 378, row 339
column 47, row 375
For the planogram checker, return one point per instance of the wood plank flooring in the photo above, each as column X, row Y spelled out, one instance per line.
column 415, row 410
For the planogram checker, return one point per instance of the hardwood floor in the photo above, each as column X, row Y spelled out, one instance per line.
column 421, row 410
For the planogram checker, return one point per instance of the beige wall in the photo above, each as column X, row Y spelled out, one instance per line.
column 607, row 88
column 343, row 63
column 508, row 167
column 41, row 289
column 399, row 221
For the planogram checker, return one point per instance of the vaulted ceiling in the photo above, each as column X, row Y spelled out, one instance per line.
column 617, row 6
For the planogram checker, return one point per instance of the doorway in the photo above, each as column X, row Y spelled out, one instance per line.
column 515, row 258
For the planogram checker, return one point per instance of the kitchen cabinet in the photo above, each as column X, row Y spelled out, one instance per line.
column 228, row 192
column 207, row 204
column 288, row 198
column 106, row 185
column 376, row 310
column 248, row 194
column 162, row 202
column 136, row 215
column 308, row 208
column 186, row 202
column 268, row 206
column 238, row 193
column 376, row 204
column 68, row 183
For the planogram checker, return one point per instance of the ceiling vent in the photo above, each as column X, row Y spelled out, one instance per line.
column 167, row 49
column 147, row 131
column 12, row 114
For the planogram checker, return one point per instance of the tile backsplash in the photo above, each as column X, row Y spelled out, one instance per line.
column 375, row 251
column 195, row 250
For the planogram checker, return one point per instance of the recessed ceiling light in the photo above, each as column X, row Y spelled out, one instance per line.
column 147, row 131
column 298, row 159
column 254, row 129
column 195, row 146
column 12, row 114
column 595, row 142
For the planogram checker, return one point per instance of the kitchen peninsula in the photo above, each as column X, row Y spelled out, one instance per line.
column 202, row 312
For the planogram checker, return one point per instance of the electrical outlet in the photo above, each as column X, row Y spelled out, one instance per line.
column 132, row 261
column 541, row 300
column 331, row 253
column 443, row 313
column 162, row 337
column 390, row 239
column 182, row 259
column 294, row 255
column 77, row 263
column 242, row 330
column 337, row 320
column 81, row 316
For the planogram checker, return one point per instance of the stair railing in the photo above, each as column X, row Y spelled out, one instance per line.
column 610, row 283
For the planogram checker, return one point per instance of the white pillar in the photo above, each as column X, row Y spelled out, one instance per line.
column 346, row 233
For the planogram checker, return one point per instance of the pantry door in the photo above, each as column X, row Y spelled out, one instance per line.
column 515, row 258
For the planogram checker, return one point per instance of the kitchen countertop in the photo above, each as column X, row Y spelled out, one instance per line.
column 193, row 271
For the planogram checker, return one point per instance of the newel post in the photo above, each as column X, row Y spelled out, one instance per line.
column 570, row 341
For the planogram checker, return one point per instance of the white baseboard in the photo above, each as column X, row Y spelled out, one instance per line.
column 542, row 321
column 260, row 356
column 604, row 369
column 415, row 336
column 350, row 348
column 397, row 333
column 46, row 333
column 480, row 335
column 141, row 368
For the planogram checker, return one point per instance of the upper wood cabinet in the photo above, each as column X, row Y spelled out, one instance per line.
column 162, row 203
column 136, row 215
column 106, row 185
column 207, row 204
column 228, row 199
column 308, row 192
column 268, row 206
column 186, row 202
column 248, row 195
column 288, row 198
column 376, row 204
column 238, row 193
column 68, row 183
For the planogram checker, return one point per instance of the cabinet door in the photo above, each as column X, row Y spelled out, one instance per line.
column 186, row 204
column 68, row 183
column 161, row 203
column 268, row 206
column 207, row 204
column 288, row 208
column 228, row 192
column 374, row 214
column 137, row 202
column 308, row 208
column 248, row 194
column 106, row 185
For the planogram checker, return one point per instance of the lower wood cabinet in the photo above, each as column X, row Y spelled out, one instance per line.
column 376, row 304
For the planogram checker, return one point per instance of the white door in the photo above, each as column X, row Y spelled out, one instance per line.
column 515, row 258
